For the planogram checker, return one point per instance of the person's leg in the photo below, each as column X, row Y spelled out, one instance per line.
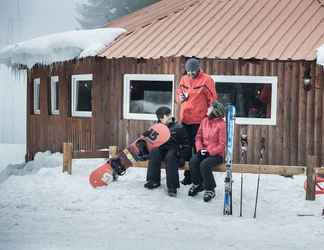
column 191, row 130
column 194, row 167
column 196, row 177
column 171, row 168
column 206, row 170
column 153, row 175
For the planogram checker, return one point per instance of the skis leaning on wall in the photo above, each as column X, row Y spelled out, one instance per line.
column 230, row 116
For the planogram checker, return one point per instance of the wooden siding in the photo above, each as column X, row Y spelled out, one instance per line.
column 300, row 119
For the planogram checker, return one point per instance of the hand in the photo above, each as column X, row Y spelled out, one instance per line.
column 202, row 154
column 183, row 97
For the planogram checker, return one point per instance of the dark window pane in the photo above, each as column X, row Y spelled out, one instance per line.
column 147, row 96
column 250, row 99
column 57, row 95
column 84, row 95
column 37, row 99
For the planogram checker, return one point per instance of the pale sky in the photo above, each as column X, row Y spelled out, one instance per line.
column 37, row 17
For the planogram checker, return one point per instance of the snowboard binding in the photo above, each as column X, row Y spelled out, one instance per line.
column 117, row 167
column 143, row 153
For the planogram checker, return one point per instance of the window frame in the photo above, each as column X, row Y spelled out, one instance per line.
column 74, row 80
column 36, row 82
column 54, row 79
column 273, row 80
column 144, row 77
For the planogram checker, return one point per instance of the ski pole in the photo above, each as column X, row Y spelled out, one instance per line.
column 261, row 153
column 244, row 144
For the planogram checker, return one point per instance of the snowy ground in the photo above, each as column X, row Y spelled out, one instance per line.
column 42, row 208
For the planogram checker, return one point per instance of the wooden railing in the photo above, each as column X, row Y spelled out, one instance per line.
column 311, row 169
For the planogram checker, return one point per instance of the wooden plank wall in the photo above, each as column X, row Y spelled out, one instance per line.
column 300, row 119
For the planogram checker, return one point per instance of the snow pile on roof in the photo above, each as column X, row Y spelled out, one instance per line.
column 320, row 55
column 59, row 47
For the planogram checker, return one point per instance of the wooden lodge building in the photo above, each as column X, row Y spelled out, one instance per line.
column 250, row 47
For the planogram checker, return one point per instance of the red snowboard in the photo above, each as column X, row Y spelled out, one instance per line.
column 154, row 137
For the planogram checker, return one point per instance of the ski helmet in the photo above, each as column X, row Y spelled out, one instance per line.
column 218, row 109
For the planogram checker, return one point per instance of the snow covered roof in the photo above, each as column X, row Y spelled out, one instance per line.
column 320, row 55
column 59, row 47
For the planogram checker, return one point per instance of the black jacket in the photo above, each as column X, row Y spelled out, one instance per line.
column 179, row 140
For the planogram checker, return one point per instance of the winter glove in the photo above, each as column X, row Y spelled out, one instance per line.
column 202, row 154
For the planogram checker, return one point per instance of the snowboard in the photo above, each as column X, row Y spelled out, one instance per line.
column 138, row 150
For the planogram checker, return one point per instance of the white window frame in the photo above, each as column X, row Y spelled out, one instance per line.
column 143, row 77
column 273, row 80
column 36, row 96
column 54, row 80
column 75, row 79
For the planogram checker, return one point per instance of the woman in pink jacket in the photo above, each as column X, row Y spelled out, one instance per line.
column 210, row 145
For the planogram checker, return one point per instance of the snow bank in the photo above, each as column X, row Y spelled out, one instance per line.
column 59, row 47
column 320, row 55
column 42, row 160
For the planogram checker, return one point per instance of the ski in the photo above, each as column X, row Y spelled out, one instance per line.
column 230, row 116
column 261, row 155
column 244, row 145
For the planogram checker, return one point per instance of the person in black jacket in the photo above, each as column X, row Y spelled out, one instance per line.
column 173, row 153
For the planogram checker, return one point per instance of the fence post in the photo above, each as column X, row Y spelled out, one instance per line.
column 112, row 151
column 67, row 157
column 312, row 163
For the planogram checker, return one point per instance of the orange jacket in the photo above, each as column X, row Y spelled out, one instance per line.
column 211, row 135
column 201, row 93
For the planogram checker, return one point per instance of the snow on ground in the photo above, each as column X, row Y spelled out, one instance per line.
column 42, row 208
column 59, row 47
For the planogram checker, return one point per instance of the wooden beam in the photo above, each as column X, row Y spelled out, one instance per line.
column 90, row 154
column 312, row 163
column 67, row 157
column 250, row 168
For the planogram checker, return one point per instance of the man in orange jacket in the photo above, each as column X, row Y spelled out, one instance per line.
column 195, row 93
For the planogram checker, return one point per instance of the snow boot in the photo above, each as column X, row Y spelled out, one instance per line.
column 172, row 192
column 151, row 185
column 187, row 178
column 195, row 189
column 208, row 195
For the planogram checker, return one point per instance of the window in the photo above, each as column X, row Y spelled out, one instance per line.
column 255, row 97
column 55, row 95
column 82, row 95
column 143, row 94
column 37, row 96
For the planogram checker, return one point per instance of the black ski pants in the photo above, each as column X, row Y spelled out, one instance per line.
column 171, row 167
column 192, row 130
column 202, row 171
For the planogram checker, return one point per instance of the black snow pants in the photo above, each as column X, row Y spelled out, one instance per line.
column 202, row 171
column 171, row 167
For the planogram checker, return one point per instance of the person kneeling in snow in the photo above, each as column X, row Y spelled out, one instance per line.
column 173, row 152
column 210, row 145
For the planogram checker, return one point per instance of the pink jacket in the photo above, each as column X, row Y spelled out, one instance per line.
column 211, row 135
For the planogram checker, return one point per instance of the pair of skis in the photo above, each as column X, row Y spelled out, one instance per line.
column 228, row 198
